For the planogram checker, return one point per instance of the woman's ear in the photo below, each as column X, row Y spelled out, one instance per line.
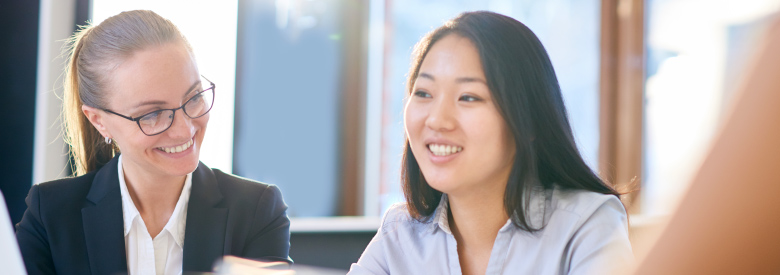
column 97, row 118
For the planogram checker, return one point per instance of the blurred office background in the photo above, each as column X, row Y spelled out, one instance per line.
column 310, row 94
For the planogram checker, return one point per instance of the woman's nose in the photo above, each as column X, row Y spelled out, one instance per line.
column 441, row 116
column 182, row 125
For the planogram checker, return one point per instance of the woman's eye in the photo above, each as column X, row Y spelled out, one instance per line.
column 421, row 94
column 151, row 117
column 197, row 98
column 469, row 98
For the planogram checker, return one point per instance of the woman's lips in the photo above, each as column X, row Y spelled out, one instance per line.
column 444, row 149
column 177, row 149
column 443, row 153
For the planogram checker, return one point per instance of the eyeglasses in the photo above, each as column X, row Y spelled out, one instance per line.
column 156, row 122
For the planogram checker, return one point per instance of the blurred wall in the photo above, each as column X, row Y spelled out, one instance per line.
column 18, row 52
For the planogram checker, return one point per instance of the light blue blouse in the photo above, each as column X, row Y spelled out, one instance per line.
column 584, row 233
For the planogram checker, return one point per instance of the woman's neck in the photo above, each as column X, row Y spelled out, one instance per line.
column 154, row 196
column 475, row 220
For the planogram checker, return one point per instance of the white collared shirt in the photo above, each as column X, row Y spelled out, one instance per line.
column 584, row 233
column 162, row 255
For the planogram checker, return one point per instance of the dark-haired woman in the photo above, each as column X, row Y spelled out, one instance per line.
column 493, row 181
column 132, row 86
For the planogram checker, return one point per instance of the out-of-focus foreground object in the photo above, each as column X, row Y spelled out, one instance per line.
column 10, row 257
column 728, row 222
column 232, row 265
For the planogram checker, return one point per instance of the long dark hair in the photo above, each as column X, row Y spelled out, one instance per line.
column 522, row 82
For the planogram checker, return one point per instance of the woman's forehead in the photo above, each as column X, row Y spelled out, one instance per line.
column 453, row 55
column 162, row 73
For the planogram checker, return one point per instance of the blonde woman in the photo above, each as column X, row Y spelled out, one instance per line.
column 136, row 111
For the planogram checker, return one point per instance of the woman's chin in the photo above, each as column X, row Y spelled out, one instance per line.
column 442, row 185
column 178, row 166
column 180, row 170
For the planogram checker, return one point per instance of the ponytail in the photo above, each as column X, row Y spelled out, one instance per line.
column 86, row 144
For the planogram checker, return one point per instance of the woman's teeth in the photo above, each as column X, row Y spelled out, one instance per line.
column 444, row 150
column 177, row 148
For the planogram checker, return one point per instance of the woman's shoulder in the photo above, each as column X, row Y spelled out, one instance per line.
column 397, row 221
column 243, row 192
column 238, row 185
column 585, row 203
column 67, row 188
column 59, row 200
column 396, row 213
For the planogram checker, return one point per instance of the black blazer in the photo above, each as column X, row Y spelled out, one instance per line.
column 75, row 225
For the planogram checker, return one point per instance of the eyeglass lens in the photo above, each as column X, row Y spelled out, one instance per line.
column 195, row 107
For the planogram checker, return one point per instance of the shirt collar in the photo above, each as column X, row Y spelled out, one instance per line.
column 177, row 222
column 536, row 211
column 129, row 212
column 440, row 219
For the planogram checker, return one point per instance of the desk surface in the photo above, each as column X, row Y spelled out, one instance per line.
column 334, row 224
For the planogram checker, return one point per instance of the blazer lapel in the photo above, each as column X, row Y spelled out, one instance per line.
column 204, row 234
column 103, row 223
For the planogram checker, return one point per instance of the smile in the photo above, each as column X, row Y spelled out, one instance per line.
column 177, row 149
column 444, row 150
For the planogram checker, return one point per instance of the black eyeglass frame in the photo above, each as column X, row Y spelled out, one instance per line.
column 137, row 120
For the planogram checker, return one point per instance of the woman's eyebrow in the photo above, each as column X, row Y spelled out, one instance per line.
column 192, row 88
column 470, row 79
column 425, row 75
column 160, row 102
column 458, row 80
column 149, row 102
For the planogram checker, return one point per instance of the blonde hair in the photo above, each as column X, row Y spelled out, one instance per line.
column 93, row 52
